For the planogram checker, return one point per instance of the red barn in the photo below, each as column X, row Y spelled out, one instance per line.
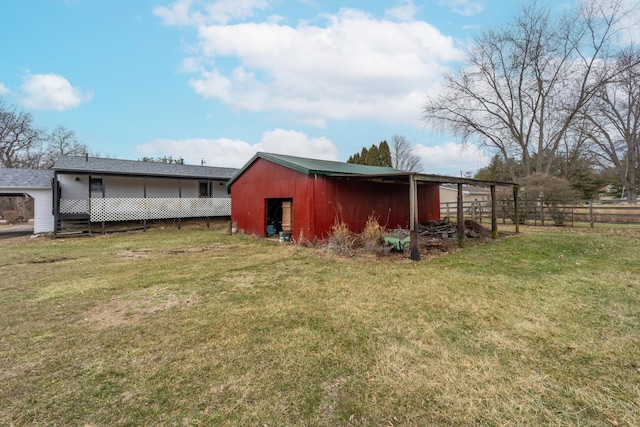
column 301, row 196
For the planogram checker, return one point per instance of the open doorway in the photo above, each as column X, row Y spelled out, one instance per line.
column 279, row 216
column 16, row 208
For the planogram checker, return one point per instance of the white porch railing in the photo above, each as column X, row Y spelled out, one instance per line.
column 131, row 209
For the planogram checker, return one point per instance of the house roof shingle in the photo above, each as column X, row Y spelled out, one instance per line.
column 25, row 178
column 96, row 165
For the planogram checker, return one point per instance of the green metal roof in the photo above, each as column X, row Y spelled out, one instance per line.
column 317, row 167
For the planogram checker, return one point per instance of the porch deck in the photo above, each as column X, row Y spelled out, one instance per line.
column 133, row 209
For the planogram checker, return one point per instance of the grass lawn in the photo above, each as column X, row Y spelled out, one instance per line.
column 194, row 327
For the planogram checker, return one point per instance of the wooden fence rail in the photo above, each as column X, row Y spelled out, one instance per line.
column 549, row 212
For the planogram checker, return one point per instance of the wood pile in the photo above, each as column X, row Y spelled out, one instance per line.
column 473, row 229
column 441, row 229
column 445, row 229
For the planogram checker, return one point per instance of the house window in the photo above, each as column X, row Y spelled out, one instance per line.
column 95, row 184
column 204, row 189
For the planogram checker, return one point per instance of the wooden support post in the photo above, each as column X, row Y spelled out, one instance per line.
column 210, row 194
column 516, row 214
column 56, row 203
column 104, row 229
column 180, row 196
column 462, row 239
column 413, row 218
column 494, row 214
column 146, row 208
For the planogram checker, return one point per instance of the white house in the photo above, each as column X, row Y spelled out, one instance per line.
column 89, row 190
column 474, row 199
column 83, row 190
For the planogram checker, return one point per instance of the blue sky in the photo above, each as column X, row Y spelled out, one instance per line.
column 219, row 80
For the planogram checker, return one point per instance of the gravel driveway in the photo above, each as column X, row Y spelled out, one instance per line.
column 7, row 231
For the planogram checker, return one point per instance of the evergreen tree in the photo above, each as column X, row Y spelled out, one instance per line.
column 373, row 157
column 385, row 154
column 363, row 156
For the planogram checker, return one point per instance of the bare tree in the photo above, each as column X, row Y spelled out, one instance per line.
column 61, row 142
column 613, row 123
column 163, row 159
column 402, row 157
column 20, row 141
column 526, row 84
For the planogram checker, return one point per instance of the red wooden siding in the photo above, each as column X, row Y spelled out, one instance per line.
column 356, row 200
column 266, row 180
column 318, row 199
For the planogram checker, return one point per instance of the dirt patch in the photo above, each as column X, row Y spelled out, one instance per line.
column 216, row 247
column 130, row 309
column 331, row 391
column 135, row 254
column 48, row 260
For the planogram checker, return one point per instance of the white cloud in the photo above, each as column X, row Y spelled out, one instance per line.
column 463, row 7
column 190, row 65
column 355, row 67
column 51, row 92
column 234, row 153
column 451, row 158
column 629, row 31
column 447, row 159
column 3, row 89
column 404, row 11
column 223, row 11
column 182, row 12
column 177, row 14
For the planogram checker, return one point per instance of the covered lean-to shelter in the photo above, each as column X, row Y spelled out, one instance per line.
column 303, row 197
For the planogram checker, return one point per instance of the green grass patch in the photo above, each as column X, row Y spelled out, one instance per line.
column 195, row 327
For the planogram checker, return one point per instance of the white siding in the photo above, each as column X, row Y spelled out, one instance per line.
column 219, row 189
column 120, row 186
column 42, row 206
column 72, row 189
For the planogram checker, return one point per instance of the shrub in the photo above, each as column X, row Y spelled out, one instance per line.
column 12, row 217
column 554, row 193
column 340, row 237
column 373, row 231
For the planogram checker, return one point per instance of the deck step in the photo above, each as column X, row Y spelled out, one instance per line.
column 68, row 226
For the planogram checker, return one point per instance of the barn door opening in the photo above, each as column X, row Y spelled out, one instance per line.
column 279, row 216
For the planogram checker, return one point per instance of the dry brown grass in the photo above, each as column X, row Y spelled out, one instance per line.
column 196, row 327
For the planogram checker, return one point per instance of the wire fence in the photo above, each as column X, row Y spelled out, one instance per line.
column 549, row 212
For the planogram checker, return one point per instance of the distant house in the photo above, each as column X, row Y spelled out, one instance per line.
column 89, row 190
column 35, row 183
column 449, row 194
column 302, row 196
column 470, row 194
column 475, row 199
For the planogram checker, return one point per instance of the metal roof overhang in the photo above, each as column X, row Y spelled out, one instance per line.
column 433, row 179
